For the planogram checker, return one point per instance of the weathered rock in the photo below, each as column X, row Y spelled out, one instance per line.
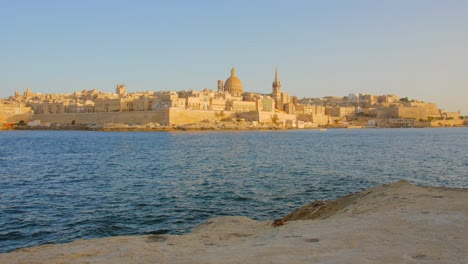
column 395, row 223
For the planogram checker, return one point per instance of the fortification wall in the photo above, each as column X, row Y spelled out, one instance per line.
column 319, row 120
column 252, row 116
column 412, row 112
column 160, row 116
column 305, row 118
column 387, row 112
column 451, row 122
column 183, row 116
column 15, row 118
column 268, row 117
column 170, row 116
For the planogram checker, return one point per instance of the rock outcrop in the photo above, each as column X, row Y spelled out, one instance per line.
column 394, row 223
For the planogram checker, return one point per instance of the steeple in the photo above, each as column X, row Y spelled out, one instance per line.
column 276, row 84
column 276, row 75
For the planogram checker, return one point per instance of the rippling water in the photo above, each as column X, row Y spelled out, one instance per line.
column 58, row 186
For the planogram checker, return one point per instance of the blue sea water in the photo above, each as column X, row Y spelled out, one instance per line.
column 59, row 186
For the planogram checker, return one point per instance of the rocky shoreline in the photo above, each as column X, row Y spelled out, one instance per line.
column 201, row 126
column 394, row 223
column 156, row 127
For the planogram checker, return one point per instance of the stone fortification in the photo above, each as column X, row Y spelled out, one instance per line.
column 169, row 116
column 15, row 118
column 450, row 122
column 268, row 117
column 179, row 116
column 160, row 116
column 319, row 120
column 11, row 113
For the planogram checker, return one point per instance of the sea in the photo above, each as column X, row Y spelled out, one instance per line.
column 60, row 186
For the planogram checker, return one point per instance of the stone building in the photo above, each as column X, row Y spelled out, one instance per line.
column 430, row 108
column 283, row 102
column 14, row 108
column 141, row 104
column 369, row 101
column 401, row 122
column 267, row 104
column 220, row 86
column 113, row 105
column 241, row 106
column 195, row 103
column 388, row 98
column 233, row 84
column 450, row 115
column 121, row 90
column 310, row 109
column 217, row 104
column 48, row 108
column 165, row 99
column 341, row 111
column 408, row 110
column 276, row 93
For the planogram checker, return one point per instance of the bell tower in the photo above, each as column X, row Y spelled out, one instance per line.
column 121, row 89
column 276, row 93
column 276, row 83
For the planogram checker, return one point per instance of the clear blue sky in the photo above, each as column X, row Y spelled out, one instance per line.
column 414, row 48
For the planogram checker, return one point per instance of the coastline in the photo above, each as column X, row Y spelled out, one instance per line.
column 393, row 223
column 193, row 127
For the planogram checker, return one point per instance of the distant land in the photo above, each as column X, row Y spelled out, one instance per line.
column 228, row 107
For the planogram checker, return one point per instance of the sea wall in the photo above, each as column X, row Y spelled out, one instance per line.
column 417, row 113
column 15, row 118
column 160, row 116
column 169, row 116
column 320, row 120
column 179, row 116
column 449, row 122
column 267, row 117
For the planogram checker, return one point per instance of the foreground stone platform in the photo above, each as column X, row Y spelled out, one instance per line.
column 395, row 223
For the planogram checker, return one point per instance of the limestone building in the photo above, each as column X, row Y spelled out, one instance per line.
column 281, row 99
column 233, row 84
column 220, row 86
column 121, row 89
column 276, row 93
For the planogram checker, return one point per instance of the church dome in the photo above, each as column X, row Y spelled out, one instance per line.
column 233, row 84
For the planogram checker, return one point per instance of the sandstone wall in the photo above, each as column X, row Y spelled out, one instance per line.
column 160, row 116
column 450, row 122
column 387, row 112
column 183, row 116
column 170, row 116
column 319, row 120
column 412, row 112
column 252, row 116
column 268, row 117
column 15, row 118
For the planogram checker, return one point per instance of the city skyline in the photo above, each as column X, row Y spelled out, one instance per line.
column 332, row 48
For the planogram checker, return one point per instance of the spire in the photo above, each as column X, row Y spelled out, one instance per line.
column 276, row 75
column 276, row 84
column 233, row 71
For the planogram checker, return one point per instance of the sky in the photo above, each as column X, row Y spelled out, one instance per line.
column 413, row 48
